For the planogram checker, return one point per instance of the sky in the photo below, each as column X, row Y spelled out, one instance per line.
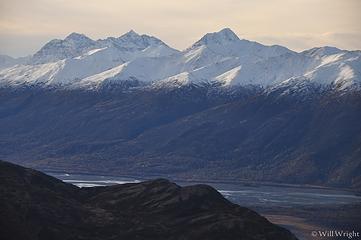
column 26, row 25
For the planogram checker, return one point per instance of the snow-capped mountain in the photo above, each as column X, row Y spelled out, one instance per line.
column 72, row 46
column 224, row 108
column 221, row 57
column 66, row 62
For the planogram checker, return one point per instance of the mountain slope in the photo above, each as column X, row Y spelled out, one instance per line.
column 268, row 138
column 37, row 206
column 189, row 131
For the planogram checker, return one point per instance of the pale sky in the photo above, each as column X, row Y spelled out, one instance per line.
column 26, row 25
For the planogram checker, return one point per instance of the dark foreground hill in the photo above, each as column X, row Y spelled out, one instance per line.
column 36, row 206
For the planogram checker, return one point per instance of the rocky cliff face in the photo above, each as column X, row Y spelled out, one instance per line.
column 36, row 206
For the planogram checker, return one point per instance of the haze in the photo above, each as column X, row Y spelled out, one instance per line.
column 297, row 24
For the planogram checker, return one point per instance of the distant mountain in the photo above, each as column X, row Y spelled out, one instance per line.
column 79, row 62
column 224, row 108
column 36, row 206
column 7, row 61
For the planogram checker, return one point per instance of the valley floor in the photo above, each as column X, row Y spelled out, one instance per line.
column 304, row 221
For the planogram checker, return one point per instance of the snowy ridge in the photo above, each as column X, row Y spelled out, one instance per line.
column 220, row 57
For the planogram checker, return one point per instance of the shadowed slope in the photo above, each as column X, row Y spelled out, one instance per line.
column 37, row 206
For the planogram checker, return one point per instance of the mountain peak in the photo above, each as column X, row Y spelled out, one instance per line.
column 77, row 37
column 73, row 45
column 223, row 36
column 229, row 33
column 132, row 39
column 131, row 34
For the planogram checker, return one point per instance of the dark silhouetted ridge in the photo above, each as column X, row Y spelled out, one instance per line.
column 36, row 206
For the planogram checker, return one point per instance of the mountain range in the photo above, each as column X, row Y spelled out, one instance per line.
column 220, row 57
column 224, row 109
